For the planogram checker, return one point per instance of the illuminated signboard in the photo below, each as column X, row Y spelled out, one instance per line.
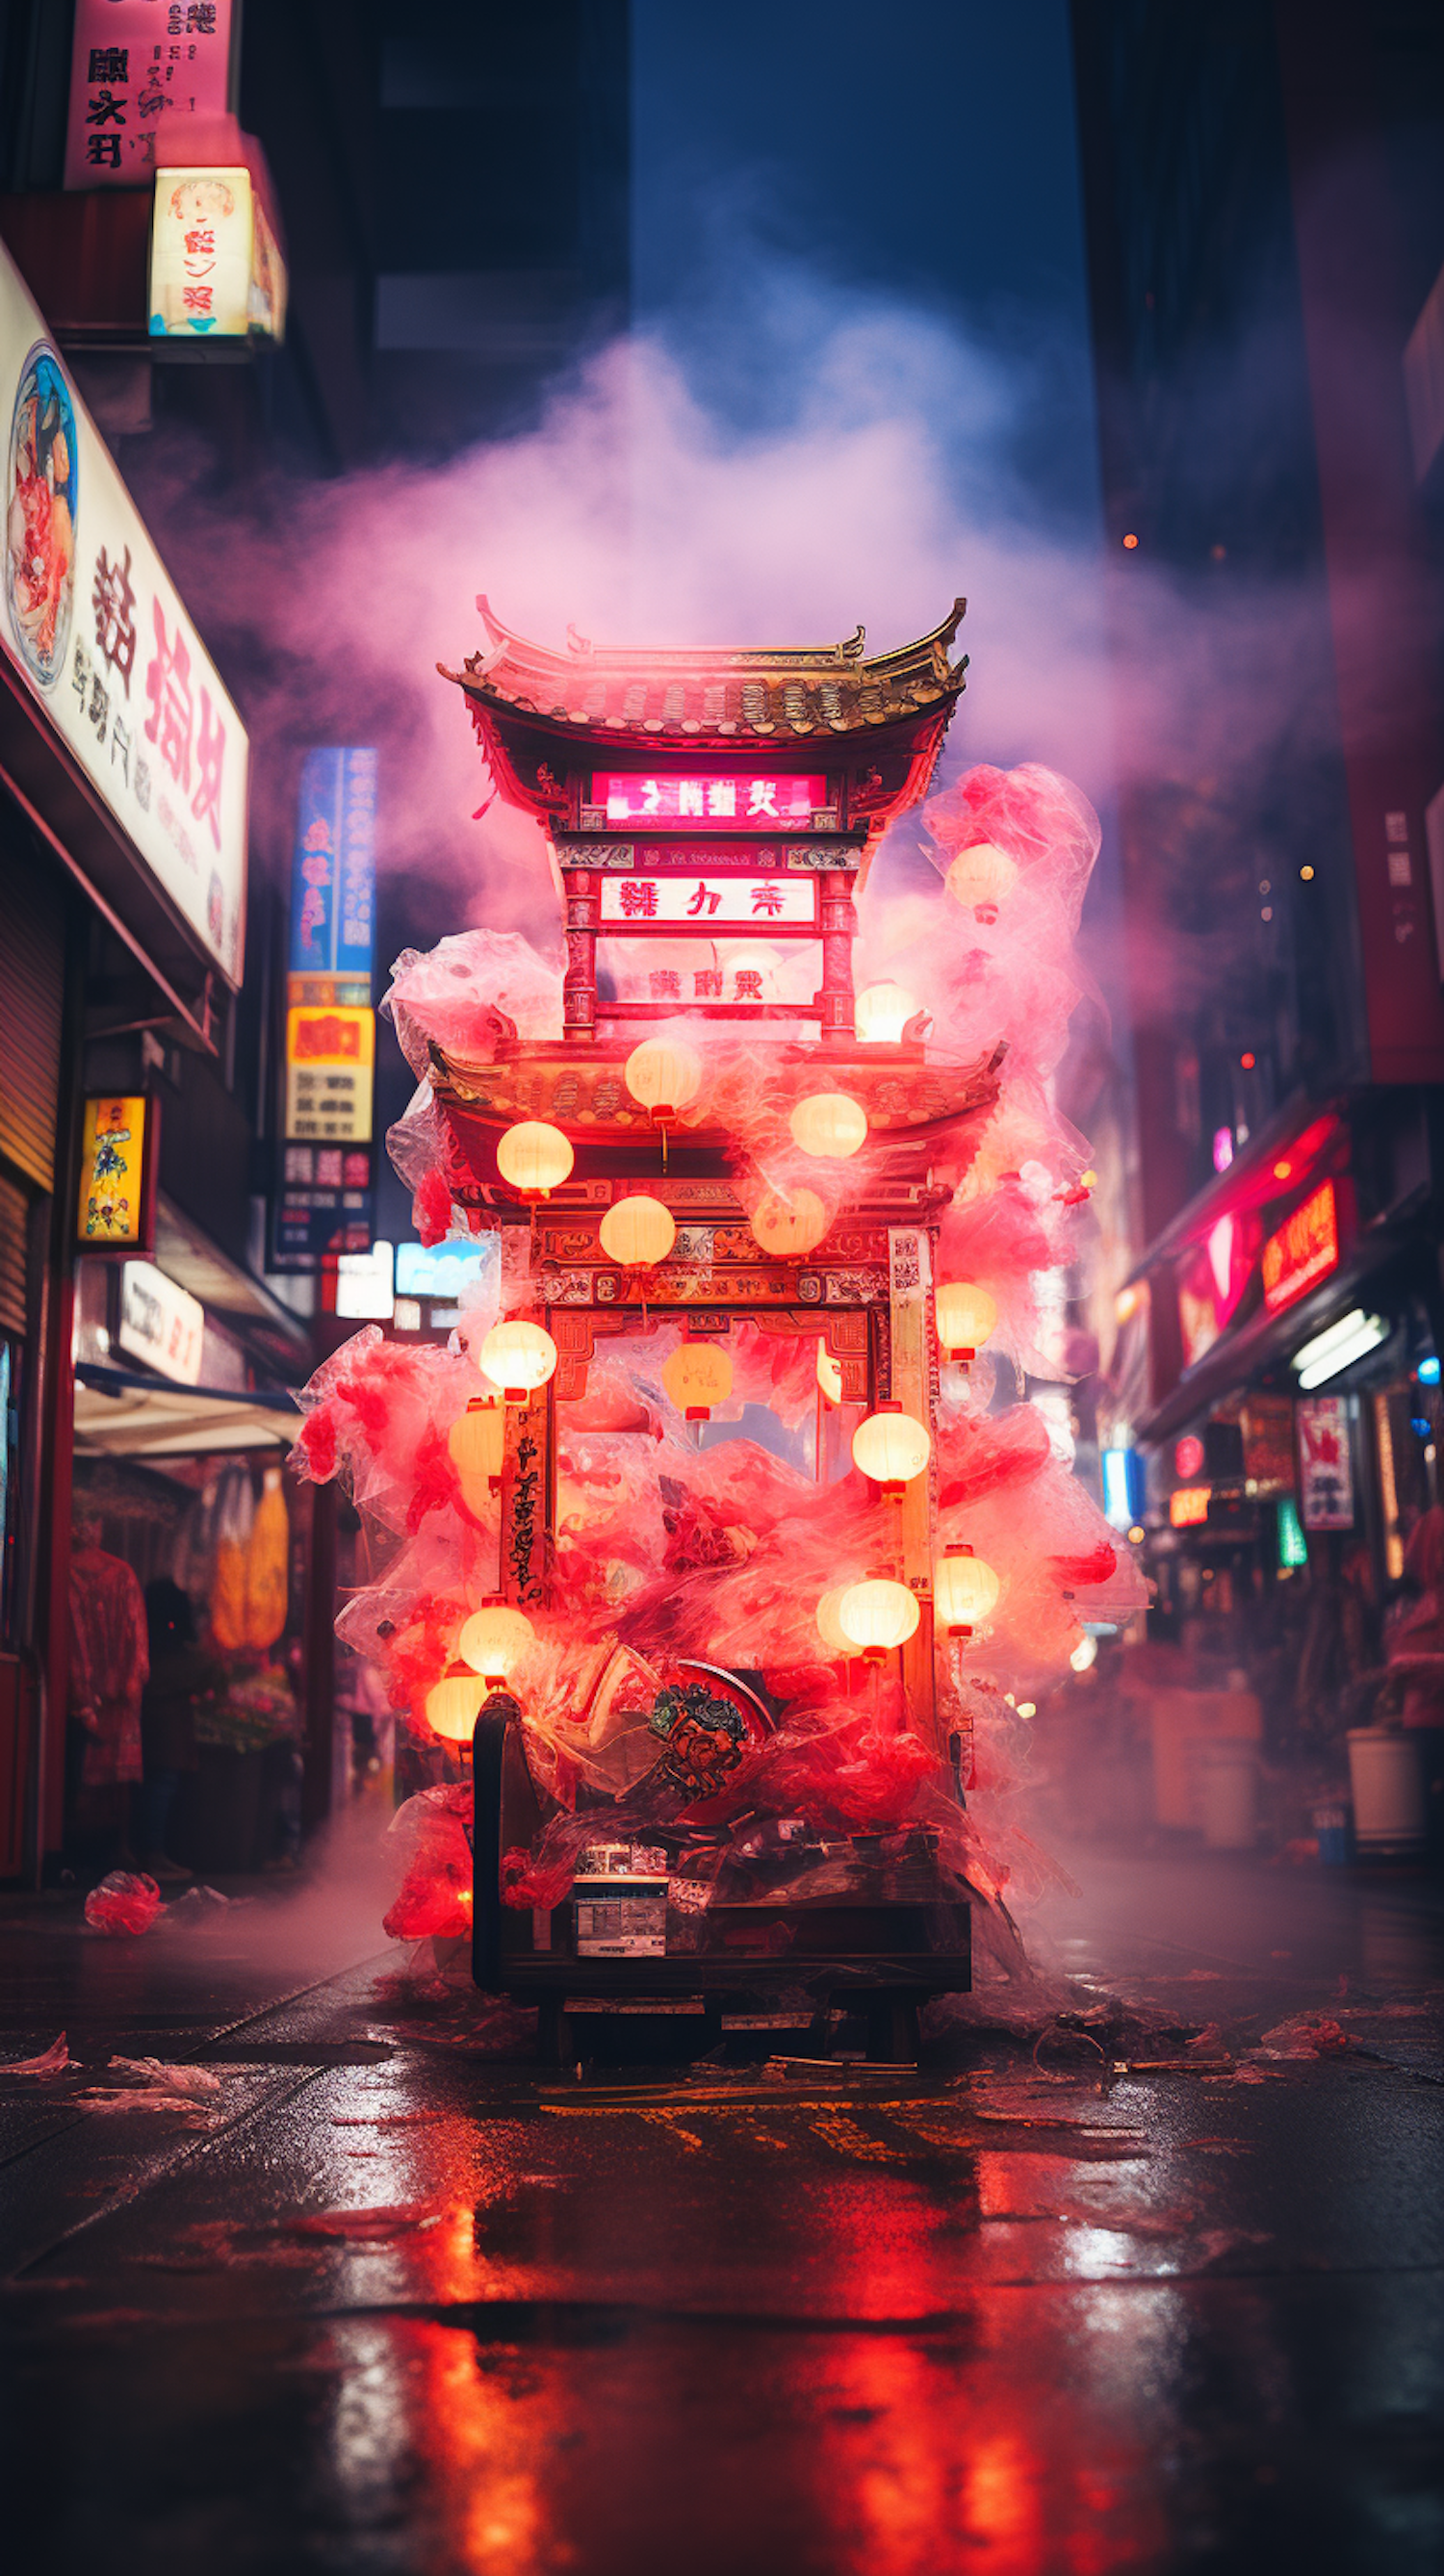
column 139, row 68
column 215, row 269
column 95, row 628
column 330, row 1051
column 685, row 903
column 1188, row 1455
column 1189, row 1506
column 1326, row 1467
column 1304, row 1250
column 444, row 1269
column 726, row 803
column 161, row 1323
column 117, row 1175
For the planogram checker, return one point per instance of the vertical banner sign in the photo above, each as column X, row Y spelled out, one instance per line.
column 909, row 1282
column 324, row 1200
column 118, row 1166
column 141, row 71
column 1326, row 1473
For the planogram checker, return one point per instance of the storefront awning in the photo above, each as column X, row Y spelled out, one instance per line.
column 121, row 1416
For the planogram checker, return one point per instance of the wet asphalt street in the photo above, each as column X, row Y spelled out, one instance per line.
column 387, row 2299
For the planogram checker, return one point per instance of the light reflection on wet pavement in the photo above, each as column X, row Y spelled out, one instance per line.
column 1000, row 2316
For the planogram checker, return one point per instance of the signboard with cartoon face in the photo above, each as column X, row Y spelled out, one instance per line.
column 116, row 1210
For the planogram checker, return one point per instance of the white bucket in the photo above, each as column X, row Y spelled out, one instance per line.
column 1387, row 1775
column 1227, row 1774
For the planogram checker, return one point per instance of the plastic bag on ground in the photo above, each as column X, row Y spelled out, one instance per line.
column 126, row 1901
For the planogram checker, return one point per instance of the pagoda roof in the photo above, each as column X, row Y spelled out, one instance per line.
column 720, row 696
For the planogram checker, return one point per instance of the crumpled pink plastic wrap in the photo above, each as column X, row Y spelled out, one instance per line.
column 125, row 1901
column 434, row 1901
column 471, row 993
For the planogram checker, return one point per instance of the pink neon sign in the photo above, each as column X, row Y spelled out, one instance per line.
column 761, row 804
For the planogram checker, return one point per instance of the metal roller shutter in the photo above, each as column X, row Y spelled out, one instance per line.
column 32, row 976
column 14, row 1211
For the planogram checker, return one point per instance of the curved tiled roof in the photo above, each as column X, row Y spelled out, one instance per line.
column 713, row 694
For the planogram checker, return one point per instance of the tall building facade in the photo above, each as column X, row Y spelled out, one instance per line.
column 1264, row 208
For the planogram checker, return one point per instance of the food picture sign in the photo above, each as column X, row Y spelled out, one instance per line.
column 95, row 627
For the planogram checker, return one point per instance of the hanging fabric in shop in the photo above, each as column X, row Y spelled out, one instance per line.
column 268, row 1564
column 235, row 1520
column 109, row 1662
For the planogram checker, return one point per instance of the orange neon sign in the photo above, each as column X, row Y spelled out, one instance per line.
column 1189, row 1506
column 1305, row 1249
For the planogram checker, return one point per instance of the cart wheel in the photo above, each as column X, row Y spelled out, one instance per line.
column 554, row 2040
column 892, row 2030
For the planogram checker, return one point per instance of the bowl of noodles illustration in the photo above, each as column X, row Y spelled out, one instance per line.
column 42, row 500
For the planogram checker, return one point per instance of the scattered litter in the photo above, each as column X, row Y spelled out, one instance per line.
column 142, row 2097
column 54, row 2060
column 123, row 1902
column 1306, row 2035
column 364, row 2226
column 201, row 1909
column 174, row 2079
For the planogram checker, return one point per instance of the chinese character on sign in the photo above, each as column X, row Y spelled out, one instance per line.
column 113, row 601
column 167, row 685
column 722, row 796
column 210, row 753
column 99, row 708
column 689, row 796
column 105, row 109
column 749, row 984
column 705, row 900
column 109, row 63
column 666, row 986
column 762, row 796
column 638, row 901
column 707, row 984
column 120, row 745
column 102, row 151
column 767, row 899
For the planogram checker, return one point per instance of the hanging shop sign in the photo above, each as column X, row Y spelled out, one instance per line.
column 1267, row 1423
column 118, row 1169
column 323, row 1207
column 140, row 72
column 1326, row 1473
column 730, row 803
column 1304, row 1250
column 95, row 627
column 216, row 270
column 161, row 1323
column 330, row 1054
column 333, row 872
column 1188, row 1507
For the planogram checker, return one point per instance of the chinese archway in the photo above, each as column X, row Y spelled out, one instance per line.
column 710, row 1526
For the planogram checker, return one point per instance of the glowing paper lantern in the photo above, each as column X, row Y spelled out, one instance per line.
column 662, row 1076
column 965, row 1589
column 829, row 1125
column 637, row 1232
column 1084, row 1654
column 965, row 1317
column 982, row 878
column 829, row 1374
column 878, row 1615
column 892, row 1447
column 453, row 1705
column 829, row 1627
column 534, row 1157
column 791, row 1225
column 495, row 1638
column 518, row 1357
column 881, row 1012
column 697, row 1376
column 477, row 1442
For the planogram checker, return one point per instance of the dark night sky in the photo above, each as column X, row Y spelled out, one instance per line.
column 929, row 157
